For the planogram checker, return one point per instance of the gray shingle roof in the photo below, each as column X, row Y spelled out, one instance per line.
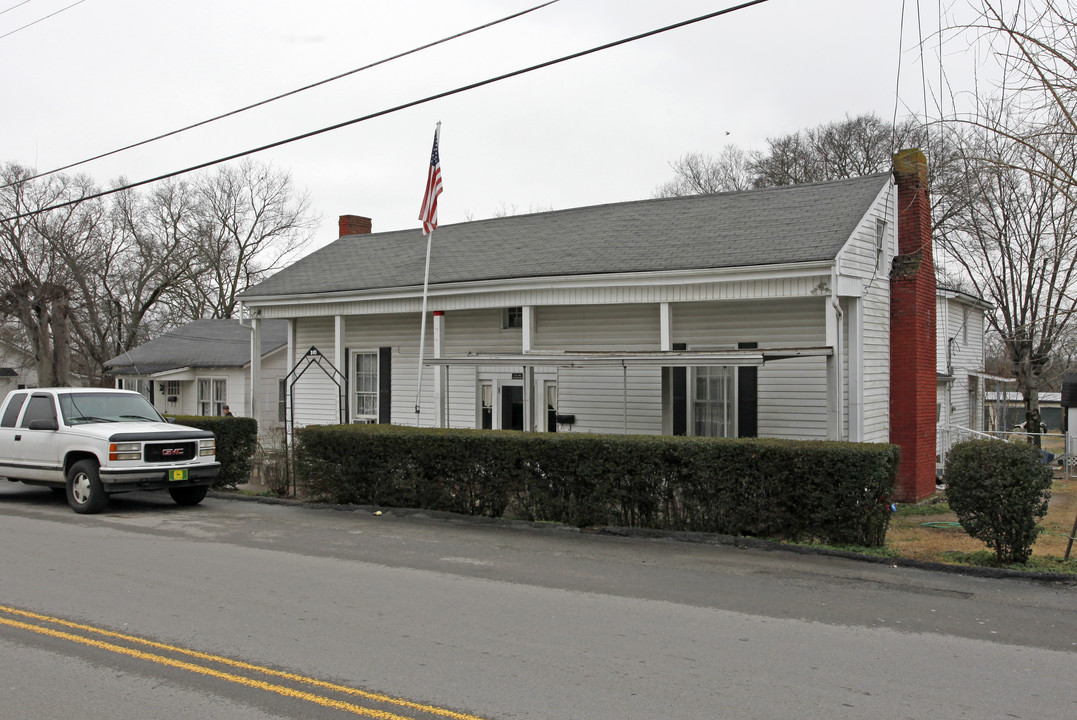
column 202, row 343
column 796, row 223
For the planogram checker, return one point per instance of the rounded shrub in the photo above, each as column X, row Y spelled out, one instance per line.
column 999, row 491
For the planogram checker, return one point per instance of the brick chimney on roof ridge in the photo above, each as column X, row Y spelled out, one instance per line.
column 355, row 225
column 913, row 381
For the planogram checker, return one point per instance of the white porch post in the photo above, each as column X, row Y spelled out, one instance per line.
column 256, row 366
column 665, row 325
column 528, row 330
column 289, row 364
column 855, row 314
column 338, row 356
column 440, row 414
column 527, row 345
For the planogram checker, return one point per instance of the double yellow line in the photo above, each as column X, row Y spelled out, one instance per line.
column 48, row 626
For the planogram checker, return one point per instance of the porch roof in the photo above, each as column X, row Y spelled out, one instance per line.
column 668, row 358
column 199, row 344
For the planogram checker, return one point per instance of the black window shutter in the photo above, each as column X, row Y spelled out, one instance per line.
column 679, row 376
column 748, row 397
column 385, row 384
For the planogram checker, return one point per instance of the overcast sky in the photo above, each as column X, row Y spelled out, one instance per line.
column 596, row 130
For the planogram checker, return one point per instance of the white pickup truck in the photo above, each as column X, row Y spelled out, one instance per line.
column 92, row 442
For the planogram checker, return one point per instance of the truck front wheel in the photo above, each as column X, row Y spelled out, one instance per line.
column 85, row 493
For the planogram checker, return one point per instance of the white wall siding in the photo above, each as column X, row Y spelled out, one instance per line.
column 368, row 333
column 596, row 396
column 273, row 370
column 960, row 327
column 480, row 331
column 876, row 369
column 860, row 259
column 792, row 393
column 316, row 395
column 598, row 327
column 461, row 400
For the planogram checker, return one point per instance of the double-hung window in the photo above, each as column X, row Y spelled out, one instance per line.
column 713, row 404
column 212, row 396
column 366, row 387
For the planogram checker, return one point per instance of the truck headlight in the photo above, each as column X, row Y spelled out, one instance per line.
column 207, row 447
column 125, row 451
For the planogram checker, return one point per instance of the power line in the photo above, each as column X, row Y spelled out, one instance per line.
column 389, row 111
column 14, row 6
column 287, row 94
column 35, row 22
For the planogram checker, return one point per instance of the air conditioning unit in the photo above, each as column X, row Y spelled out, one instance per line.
column 364, row 421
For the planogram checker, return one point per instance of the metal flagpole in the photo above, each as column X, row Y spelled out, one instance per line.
column 422, row 322
column 429, row 216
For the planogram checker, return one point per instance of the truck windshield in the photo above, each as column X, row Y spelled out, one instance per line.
column 80, row 408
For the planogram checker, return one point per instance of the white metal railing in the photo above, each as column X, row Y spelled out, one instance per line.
column 947, row 437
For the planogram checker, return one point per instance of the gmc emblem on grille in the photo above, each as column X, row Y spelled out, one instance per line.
column 169, row 452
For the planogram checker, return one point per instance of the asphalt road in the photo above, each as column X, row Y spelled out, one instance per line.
column 243, row 610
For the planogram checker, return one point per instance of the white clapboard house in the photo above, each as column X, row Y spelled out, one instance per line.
column 204, row 366
column 761, row 313
column 963, row 384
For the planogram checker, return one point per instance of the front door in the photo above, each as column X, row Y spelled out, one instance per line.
column 512, row 407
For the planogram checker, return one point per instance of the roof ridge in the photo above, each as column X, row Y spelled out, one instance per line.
column 643, row 201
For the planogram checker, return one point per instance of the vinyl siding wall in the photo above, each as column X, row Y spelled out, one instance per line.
column 960, row 328
column 861, row 261
column 597, row 395
column 273, row 369
column 315, row 394
column 792, row 393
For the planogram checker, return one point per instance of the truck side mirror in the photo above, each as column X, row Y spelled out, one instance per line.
column 44, row 424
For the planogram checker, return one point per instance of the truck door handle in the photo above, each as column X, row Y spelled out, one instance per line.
column 18, row 437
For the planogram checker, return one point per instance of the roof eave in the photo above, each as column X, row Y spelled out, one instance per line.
column 663, row 277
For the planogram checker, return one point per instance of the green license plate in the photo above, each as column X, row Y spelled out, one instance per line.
column 177, row 474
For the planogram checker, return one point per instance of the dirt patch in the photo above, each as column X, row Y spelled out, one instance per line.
column 930, row 537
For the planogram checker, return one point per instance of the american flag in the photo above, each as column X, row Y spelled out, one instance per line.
column 429, row 211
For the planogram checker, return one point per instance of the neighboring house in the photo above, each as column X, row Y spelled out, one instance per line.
column 1005, row 410
column 199, row 368
column 17, row 368
column 793, row 312
column 960, row 323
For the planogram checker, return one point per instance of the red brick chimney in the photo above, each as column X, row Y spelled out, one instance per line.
column 354, row 225
column 912, row 332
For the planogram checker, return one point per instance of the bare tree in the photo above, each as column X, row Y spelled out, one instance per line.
column 252, row 222
column 1017, row 242
column 853, row 147
column 143, row 259
column 699, row 174
column 1015, row 234
column 40, row 257
column 88, row 281
column 1036, row 46
column 504, row 210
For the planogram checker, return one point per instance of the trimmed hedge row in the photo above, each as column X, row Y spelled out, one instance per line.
column 834, row 492
column 237, row 438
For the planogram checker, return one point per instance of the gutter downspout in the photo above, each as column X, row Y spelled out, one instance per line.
column 836, row 374
column 255, row 329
